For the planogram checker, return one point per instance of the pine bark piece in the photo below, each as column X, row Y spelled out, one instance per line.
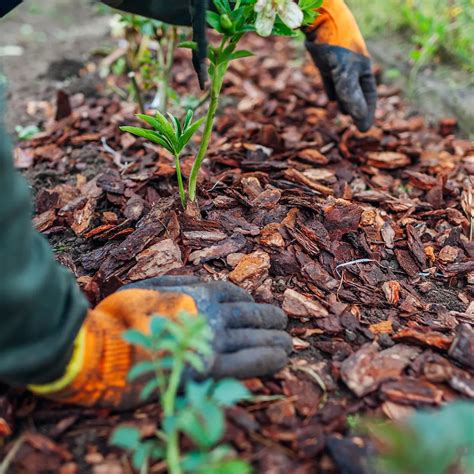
column 297, row 305
column 221, row 250
column 251, row 266
column 430, row 338
column 364, row 371
column 388, row 160
column 462, row 348
column 156, row 260
column 412, row 392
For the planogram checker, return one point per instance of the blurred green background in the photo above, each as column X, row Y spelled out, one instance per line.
column 438, row 30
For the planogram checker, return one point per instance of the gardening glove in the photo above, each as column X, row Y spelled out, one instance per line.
column 249, row 338
column 97, row 372
column 339, row 51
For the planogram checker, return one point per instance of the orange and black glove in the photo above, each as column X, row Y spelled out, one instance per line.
column 249, row 339
column 339, row 51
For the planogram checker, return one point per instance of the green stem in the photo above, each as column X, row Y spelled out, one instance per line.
column 216, row 85
column 169, row 405
column 182, row 191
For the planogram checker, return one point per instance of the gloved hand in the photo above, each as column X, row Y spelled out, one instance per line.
column 249, row 338
column 339, row 51
column 248, row 341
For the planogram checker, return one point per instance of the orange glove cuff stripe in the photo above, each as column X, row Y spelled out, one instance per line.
column 73, row 368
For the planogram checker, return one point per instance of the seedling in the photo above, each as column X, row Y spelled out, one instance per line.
column 175, row 347
column 149, row 58
column 171, row 135
column 278, row 17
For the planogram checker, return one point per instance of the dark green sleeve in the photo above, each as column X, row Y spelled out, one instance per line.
column 175, row 12
column 41, row 306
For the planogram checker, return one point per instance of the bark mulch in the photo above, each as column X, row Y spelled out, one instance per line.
column 363, row 239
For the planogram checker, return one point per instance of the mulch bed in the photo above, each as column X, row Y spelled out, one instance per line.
column 361, row 238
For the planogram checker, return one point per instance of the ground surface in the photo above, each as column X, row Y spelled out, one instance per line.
column 360, row 237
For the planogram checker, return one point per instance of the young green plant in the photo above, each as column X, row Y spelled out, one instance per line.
column 232, row 21
column 170, row 134
column 175, row 347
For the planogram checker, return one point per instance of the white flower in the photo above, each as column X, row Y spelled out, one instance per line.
column 288, row 11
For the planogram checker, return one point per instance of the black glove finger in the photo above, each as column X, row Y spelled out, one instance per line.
column 350, row 96
column 163, row 281
column 252, row 315
column 239, row 339
column 248, row 363
column 225, row 292
column 369, row 89
column 329, row 87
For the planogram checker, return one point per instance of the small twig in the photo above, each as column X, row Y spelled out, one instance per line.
column 136, row 89
column 11, row 455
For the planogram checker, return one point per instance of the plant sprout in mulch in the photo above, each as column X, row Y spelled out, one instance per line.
column 232, row 22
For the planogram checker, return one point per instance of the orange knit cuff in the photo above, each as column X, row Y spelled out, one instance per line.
column 337, row 26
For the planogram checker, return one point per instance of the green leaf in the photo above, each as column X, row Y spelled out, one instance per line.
column 137, row 338
column 187, row 120
column 188, row 45
column 126, row 437
column 240, row 54
column 158, row 325
column 189, row 132
column 228, row 392
column 176, row 124
column 197, row 392
column 149, row 135
column 141, row 455
column 150, row 387
column 222, row 6
column 213, row 19
column 194, row 361
column 160, row 123
column 230, row 466
column 140, row 368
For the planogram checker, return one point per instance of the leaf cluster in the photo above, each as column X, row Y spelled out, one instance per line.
column 170, row 134
column 198, row 413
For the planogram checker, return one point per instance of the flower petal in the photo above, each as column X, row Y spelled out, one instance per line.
column 260, row 5
column 290, row 14
column 264, row 22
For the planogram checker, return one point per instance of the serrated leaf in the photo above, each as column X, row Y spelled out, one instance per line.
column 126, row 437
column 140, row 369
column 228, row 392
column 137, row 338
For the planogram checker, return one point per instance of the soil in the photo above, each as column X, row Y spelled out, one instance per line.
column 361, row 238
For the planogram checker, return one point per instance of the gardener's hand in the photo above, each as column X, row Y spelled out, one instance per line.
column 339, row 51
column 249, row 339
